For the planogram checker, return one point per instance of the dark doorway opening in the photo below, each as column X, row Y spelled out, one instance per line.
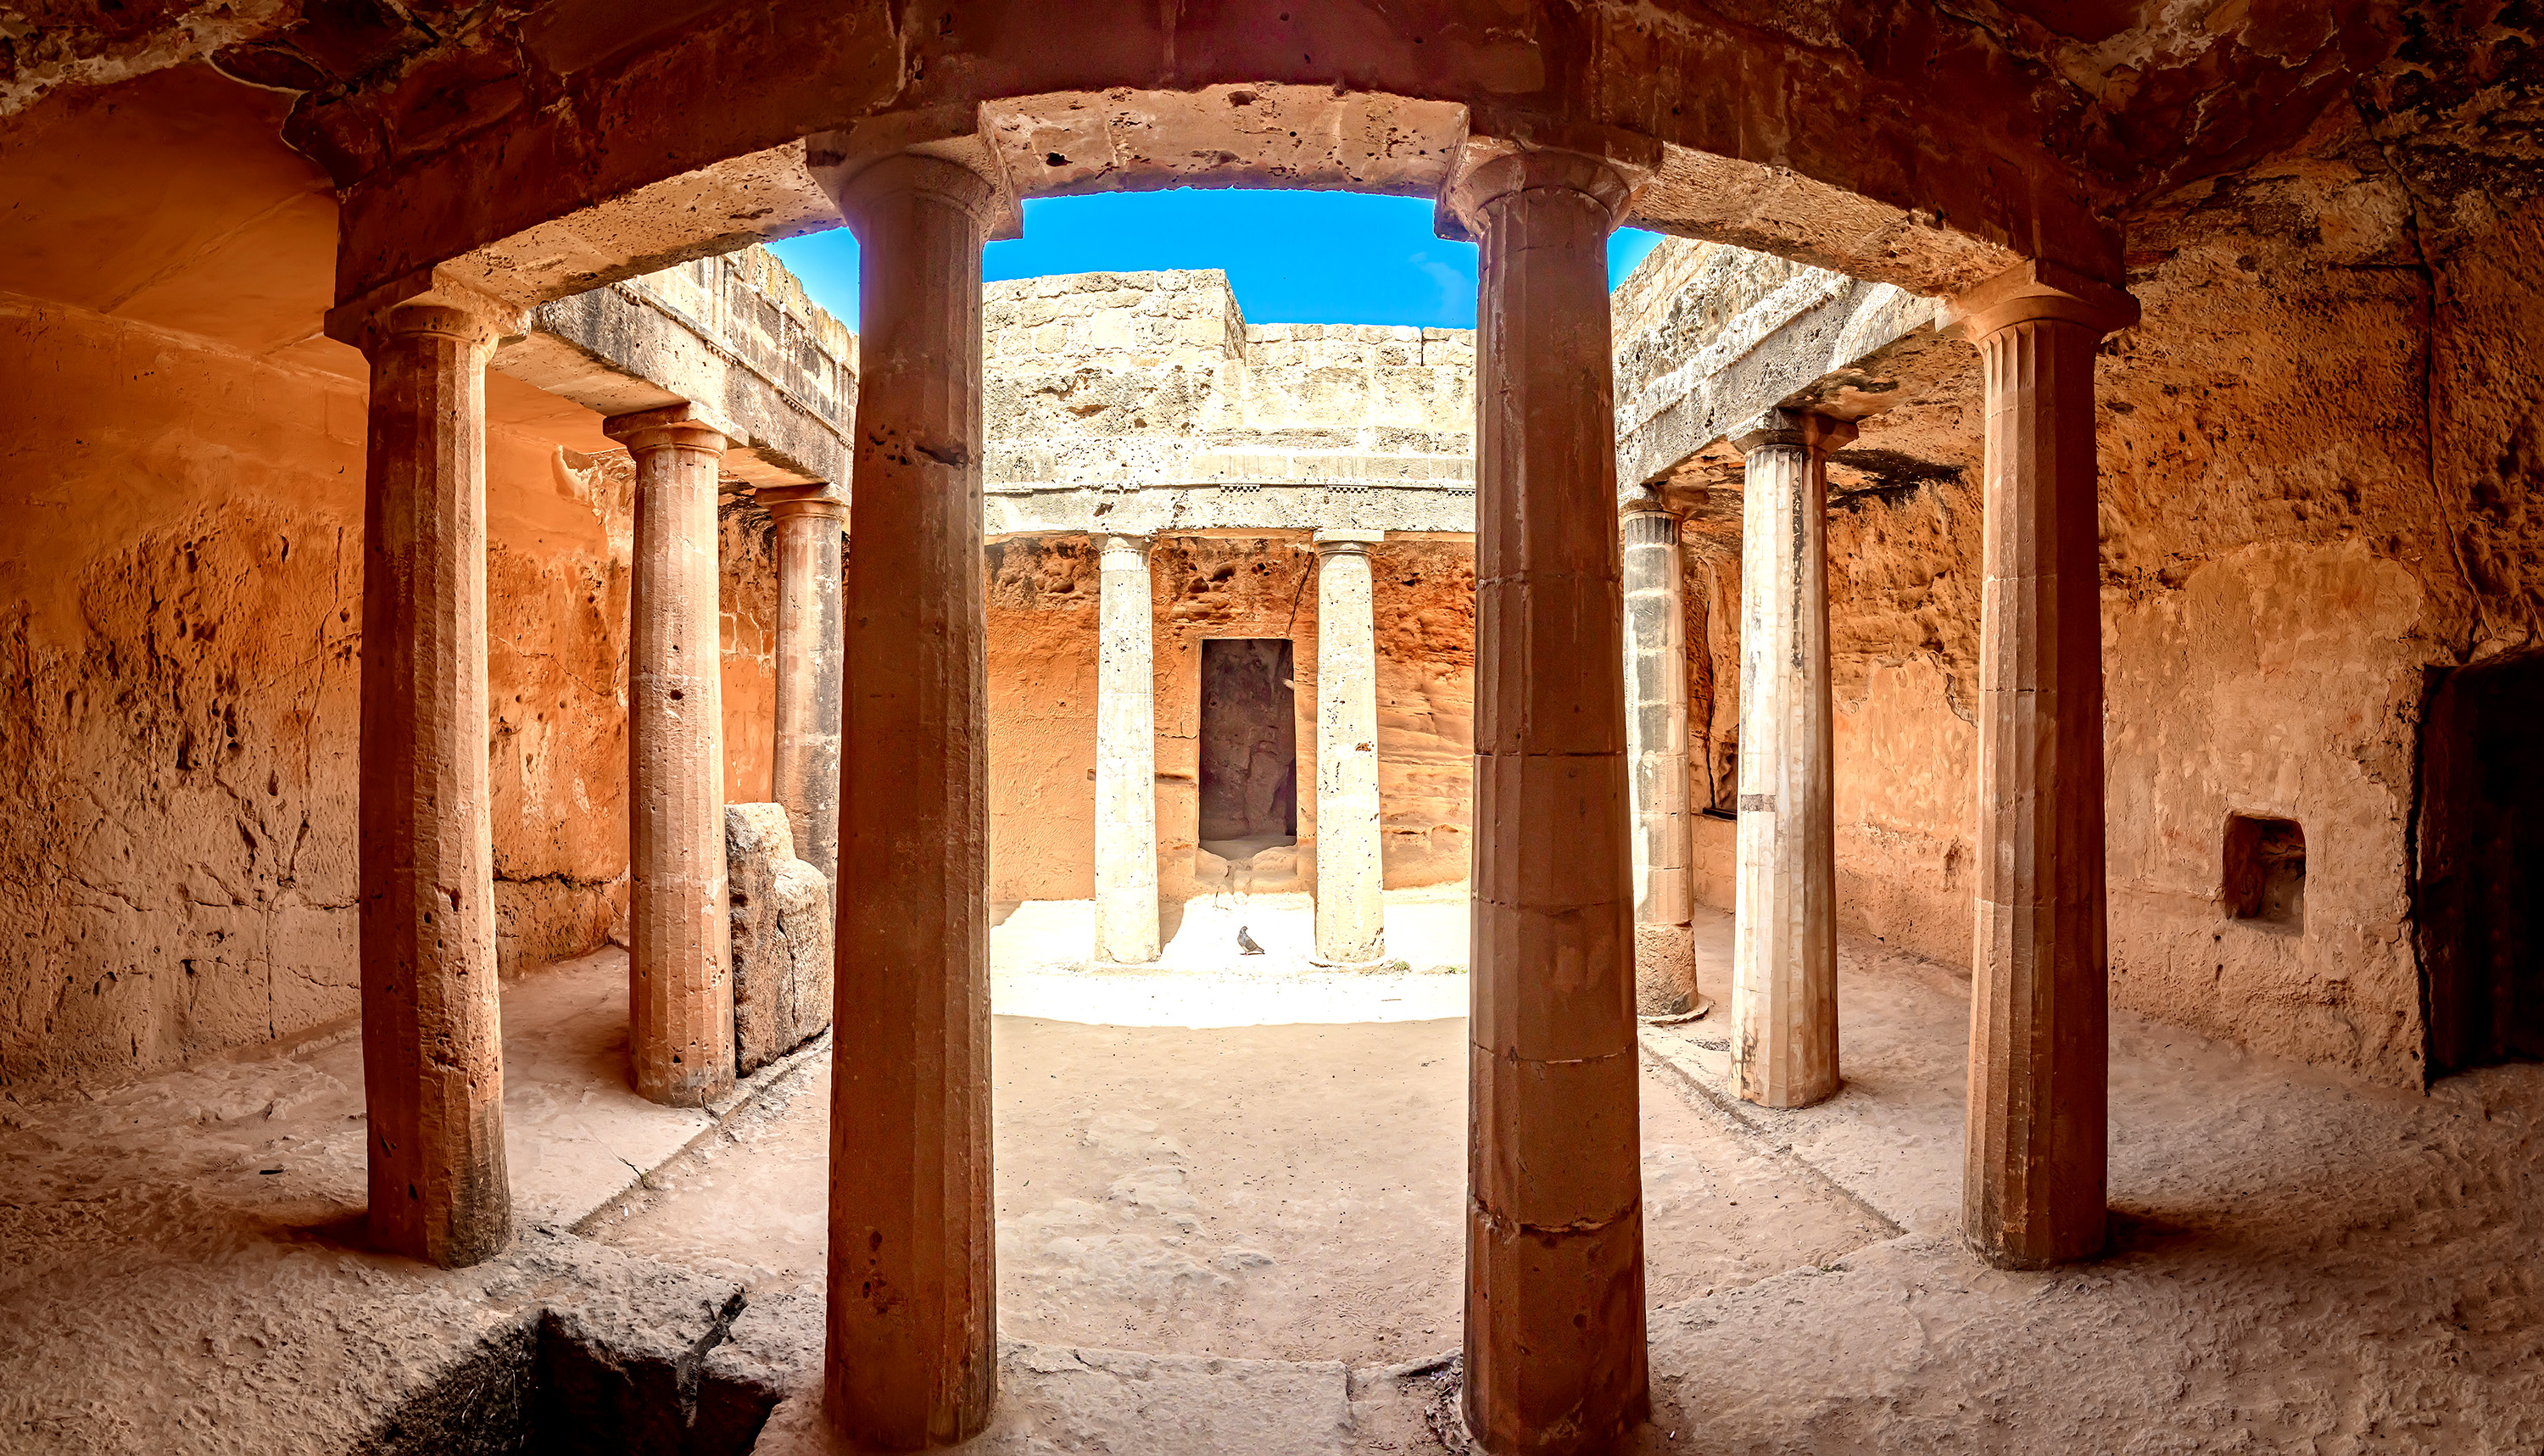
column 1249, row 742
column 2480, row 866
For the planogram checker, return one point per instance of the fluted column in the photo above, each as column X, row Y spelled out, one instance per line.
column 1654, row 573
column 2035, row 1187
column 812, row 667
column 1126, row 758
column 912, row 1352
column 680, row 963
column 1351, row 906
column 1554, row 1342
column 1783, row 937
column 433, row 1054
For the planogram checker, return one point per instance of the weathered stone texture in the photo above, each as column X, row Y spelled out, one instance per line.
column 1042, row 598
column 782, row 933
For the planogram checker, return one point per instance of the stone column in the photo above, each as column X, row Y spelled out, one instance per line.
column 912, row 1354
column 1656, row 759
column 812, row 664
column 1555, row 1350
column 680, row 964
column 433, row 1054
column 1351, row 922
column 1783, row 937
column 1126, row 758
column 2035, row 1187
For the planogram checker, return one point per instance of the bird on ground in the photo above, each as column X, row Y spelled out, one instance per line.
column 1245, row 943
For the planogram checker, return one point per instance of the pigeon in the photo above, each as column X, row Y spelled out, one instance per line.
column 1246, row 943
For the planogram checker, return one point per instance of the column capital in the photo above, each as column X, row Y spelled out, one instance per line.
column 1647, row 500
column 857, row 185
column 1110, row 541
column 1345, row 543
column 672, row 424
column 446, row 307
column 2032, row 291
column 1792, row 428
column 1484, row 179
column 788, row 502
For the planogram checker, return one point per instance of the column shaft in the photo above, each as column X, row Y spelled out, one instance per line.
column 1351, row 880
column 1126, row 758
column 2033, row 1192
column 1783, row 938
column 812, row 667
column 680, row 964
column 1656, row 759
column 432, row 1056
column 912, row 1352
column 1554, row 1341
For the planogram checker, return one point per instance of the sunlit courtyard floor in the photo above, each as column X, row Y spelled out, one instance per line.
column 1228, row 1197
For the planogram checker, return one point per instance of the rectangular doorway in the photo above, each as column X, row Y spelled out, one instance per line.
column 2480, row 875
column 1249, row 744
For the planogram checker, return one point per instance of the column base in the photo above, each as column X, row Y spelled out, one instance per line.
column 1665, row 970
column 1322, row 964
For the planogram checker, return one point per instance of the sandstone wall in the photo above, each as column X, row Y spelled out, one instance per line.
column 2319, row 456
column 1042, row 600
column 179, row 617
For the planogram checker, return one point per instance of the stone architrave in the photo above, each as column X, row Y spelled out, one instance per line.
column 2035, row 1187
column 1126, row 758
column 1783, row 938
column 913, row 1291
column 1351, row 927
column 680, row 988
column 1556, row 1358
column 1654, row 572
column 433, row 1054
column 811, row 666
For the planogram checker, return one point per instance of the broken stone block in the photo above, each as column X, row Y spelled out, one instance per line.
column 781, row 938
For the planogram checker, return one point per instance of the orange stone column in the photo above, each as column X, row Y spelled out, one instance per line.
column 812, row 663
column 2033, row 1188
column 679, row 957
column 1554, row 1344
column 432, row 1052
column 912, row 1356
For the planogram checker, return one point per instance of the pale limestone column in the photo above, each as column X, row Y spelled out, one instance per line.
column 2034, row 1189
column 912, row 1352
column 433, row 1054
column 1783, row 937
column 1656, row 759
column 1126, row 758
column 1555, row 1360
column 812, row 667
column 1351, row 906
column 680, row 962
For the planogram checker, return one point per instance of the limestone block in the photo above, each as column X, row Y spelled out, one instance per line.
column 781, row 938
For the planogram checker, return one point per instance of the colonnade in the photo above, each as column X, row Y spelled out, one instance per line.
column 1554, row 1327
column 1350, row 926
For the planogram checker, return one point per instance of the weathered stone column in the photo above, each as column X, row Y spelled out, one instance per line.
column 2035, row 1187
column 1351, row 904
column 1555, row 1348
column 913, row 1357
column 680, row 964
column 1126, row 758
column 1783, row 937
column 812, row 667
column 1656, row 759
column 432, row 1053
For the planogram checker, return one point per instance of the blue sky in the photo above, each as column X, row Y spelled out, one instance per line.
column 1292, row 257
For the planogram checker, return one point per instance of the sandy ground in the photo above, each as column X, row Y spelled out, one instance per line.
column 1250, row 1181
